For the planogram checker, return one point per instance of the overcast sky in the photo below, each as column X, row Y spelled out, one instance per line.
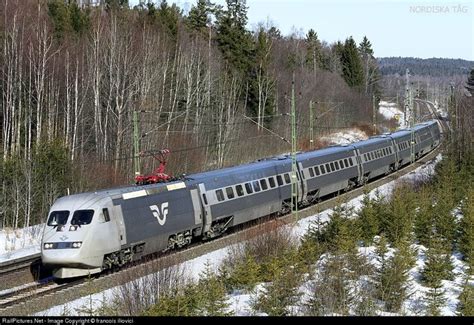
column 418, row 28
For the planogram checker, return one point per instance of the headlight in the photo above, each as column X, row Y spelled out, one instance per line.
column 72, row 228
column 48, row 246
column 76, row 244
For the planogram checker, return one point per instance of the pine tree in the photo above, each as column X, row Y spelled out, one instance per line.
column 233, row 39
column 352, row 68
column 466, row 240
column 470, row 82
column 399, row 217
column 313, row 50
column 424, row 216
column 435, row 300
column 281, row 293
column 368, row 220
column 437, row 265
column 213, row 299
column 466, row 300
column 199, row 16
column 244, row 275
column 392, row 286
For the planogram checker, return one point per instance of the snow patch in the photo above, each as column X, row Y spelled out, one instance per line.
column 345, row 137
column 391, row 111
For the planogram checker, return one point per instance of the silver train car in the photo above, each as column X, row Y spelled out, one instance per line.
column 89, row 232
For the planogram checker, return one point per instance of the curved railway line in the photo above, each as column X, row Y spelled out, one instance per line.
column 34, row 297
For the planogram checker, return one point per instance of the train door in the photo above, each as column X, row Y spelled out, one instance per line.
column 303, row 185
column 207, row 220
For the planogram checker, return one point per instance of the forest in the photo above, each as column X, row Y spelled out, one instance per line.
column 201, row 84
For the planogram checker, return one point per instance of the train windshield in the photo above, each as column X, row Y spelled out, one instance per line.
column 82, row 217
column 57, row 218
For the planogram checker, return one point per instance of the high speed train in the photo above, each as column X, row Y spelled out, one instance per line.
column 89, row 232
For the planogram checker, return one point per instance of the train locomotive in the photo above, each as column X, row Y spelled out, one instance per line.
column 89, row 232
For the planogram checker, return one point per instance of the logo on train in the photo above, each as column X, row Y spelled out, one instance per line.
column 160, row 214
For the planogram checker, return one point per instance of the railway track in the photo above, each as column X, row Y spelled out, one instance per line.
column 20, row 271
column 35, row 298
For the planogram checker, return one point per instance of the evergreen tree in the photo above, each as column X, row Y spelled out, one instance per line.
column 398, row 221
column 79, row 18
column 233, row 39
column 424, row 216
column 437, row 265
column 281, row 293
column 435, row 300
column 352, row 68
column 313, row 50
column 392, row 286
column 466, row 300
column 199, row 16
column 213, row 294
column 59, row 13
column 470, row 82
column 243, row 274
column 368, row 220
column 466, row 240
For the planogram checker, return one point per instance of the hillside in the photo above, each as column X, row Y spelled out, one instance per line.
column 434, row 67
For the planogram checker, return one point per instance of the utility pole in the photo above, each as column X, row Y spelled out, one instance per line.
column 311, row 126
column 136, row 144
column 294, row 168
column 374, row 115
column 407, row 97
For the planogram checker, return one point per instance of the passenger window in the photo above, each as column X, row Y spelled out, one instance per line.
column 256, row 186
column 271, row 181
column 220, row 195
column 351, row 162
column 311, row 172
column 248, row 188
column 346, row 163
column 336, row 164
column 230, row 192
column 365, row 157
column 240, row 190
column 327, row 168
column 332, row 167
column 287, row 178
column 204, row 198
column 279, row 180
column 316, row 170
column 57, row 218
column 106, row 214
column 323, row 171
column 82, row 217
column 263, row 183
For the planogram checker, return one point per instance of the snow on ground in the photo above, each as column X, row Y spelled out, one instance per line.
column 21, row 242
column 240, row 301
column 392, row 111
column 344, row 137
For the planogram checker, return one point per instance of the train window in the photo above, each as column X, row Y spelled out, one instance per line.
column 327, row 168
column 311, row 172
column 365, row 157
column 323, row 171
column 220, row 195
column 204, row 198
column 336, row 164
column 240, row 190
column 351, row 162
column 248, row 187
column 105, row 211
column 316, row 170
column 271, row 181
column 57, row 218
column 346, row 163
column 230, row 192
column 263, row 183
column 287, row 178
column 82, row 217
column 341, row 163
column 332, row 167
column 256, row 186
column 279, row 180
